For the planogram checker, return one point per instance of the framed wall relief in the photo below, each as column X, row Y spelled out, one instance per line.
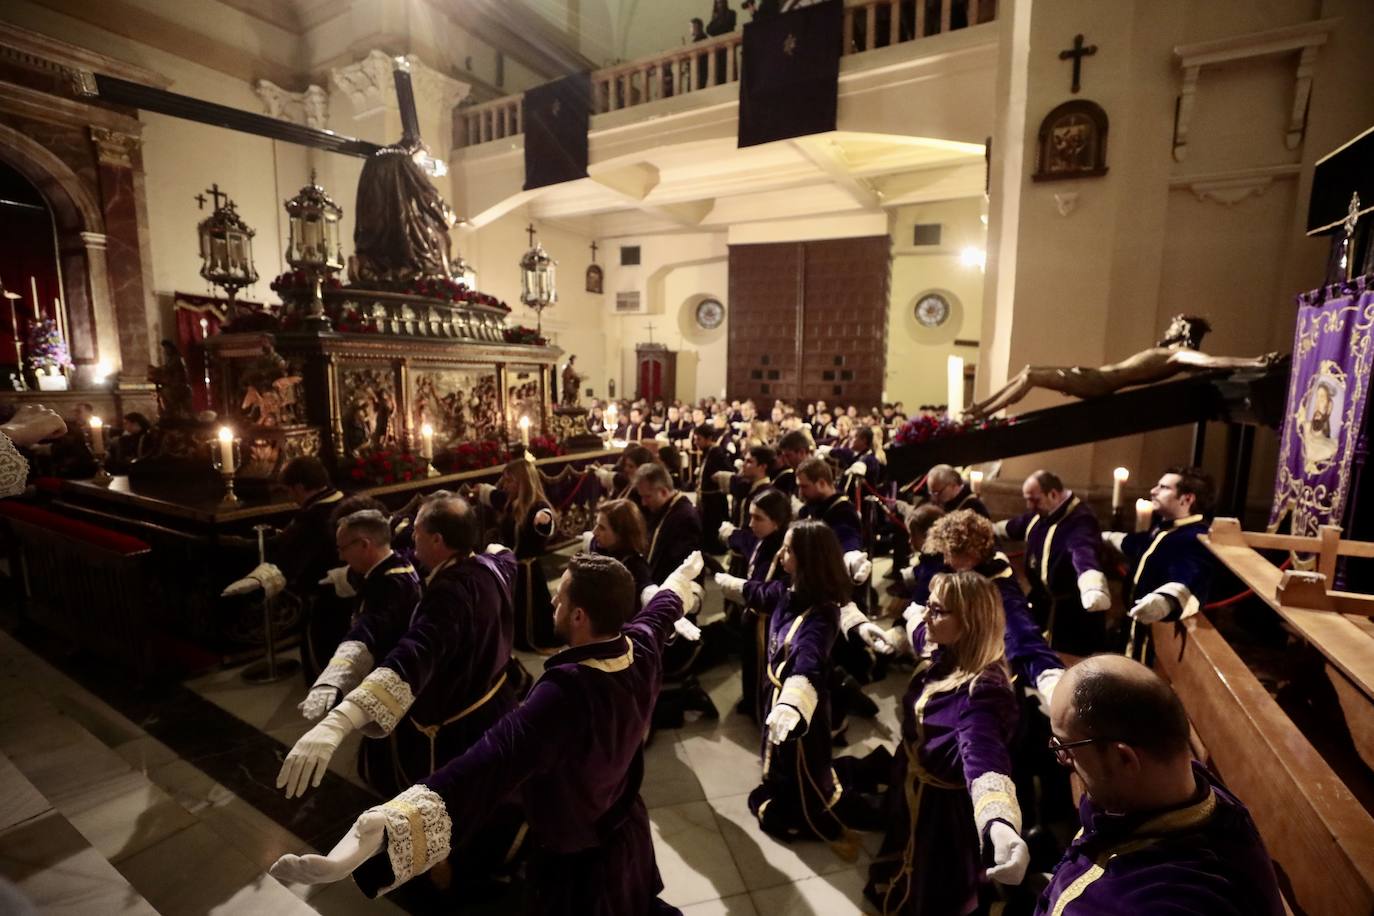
column 368, row 405
column 594, row 278
column 460, row 404
column 1072, row 142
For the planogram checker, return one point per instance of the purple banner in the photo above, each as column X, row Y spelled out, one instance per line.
column 1328, row 394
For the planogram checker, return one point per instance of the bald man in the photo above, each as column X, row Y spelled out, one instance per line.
column 949, row 491
column 1160, row 833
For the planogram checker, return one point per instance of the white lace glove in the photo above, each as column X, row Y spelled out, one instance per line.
column 318, row 701
column 680, row 580
column 305, row 765
column 264, row 576
column 896, row 637
column 364, row 840
column 824, row 450
column 1010, row 855
column 739, row 464
column 858, row 468
column 543, row 516
column 1153, row 608
column 781, row 722
column 914, row 616
column 732, row 586
column 909, row 576
column 606, row 476
column 726, row 529
column 1114, row 539
column 858, row 565
column 338, row 577
column 1044, row 688
column 494, row 548
column 687, row 630
column 722, row 479
column 875, row 637
column 797, row 506
column 484, row 491
column 587, row 542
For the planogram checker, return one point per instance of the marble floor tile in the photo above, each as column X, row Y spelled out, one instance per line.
column 263, row 706
column 725, row 759
column 195, row 871
column 764, row 861
column 692, row 856
column 668, row 775
column 827, row 895
column 344, row 899
column 123, row 816
column 145, row 754
column 738, row 905
column 19, row 800
column 58, row 756
column 61, row 875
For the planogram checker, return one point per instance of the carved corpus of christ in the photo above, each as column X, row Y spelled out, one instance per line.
column 1177, row 353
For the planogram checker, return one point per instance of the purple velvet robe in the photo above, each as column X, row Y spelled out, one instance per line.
column 951, row 778
column 533, row 603
column 799, row 793
column 573, row 754
column 445, row 681
column 1170, row 559
column 1204, row 857
column 1060, row 547
column 674, row 532
column 965, row 499
column 304, row 549
column 761, row 566
column 839, row 513
column 711, row 500
column 785, row 480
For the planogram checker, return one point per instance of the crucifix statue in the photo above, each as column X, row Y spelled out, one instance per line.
column 402, row 229
column 1076, row 54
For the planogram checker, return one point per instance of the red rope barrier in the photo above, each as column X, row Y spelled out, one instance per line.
column 1236, row 599
column 568, row 502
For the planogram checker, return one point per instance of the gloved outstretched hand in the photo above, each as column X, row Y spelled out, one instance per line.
column 304, row 766
column 318, row 701
column 587, row 541
column 338, row 577
column 726, row 529
column 875, row 637
column 732, row 586
column 687, row 630
column 1010, row 855
column 680, row 580
column 781, row 722
column 858, row 468
column 1153, row 608
column 363, row 841
column 859, row 566
column 264, row 576
column 1095, row 599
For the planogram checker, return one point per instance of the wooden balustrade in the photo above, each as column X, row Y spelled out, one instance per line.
column 868, row 25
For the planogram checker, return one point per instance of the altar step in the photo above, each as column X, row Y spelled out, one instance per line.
column 97, row 816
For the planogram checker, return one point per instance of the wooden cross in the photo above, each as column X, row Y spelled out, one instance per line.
column 1076, row 54
column 594, row 249
column 200, row 201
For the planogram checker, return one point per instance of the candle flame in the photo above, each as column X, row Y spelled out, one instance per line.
column 226, row 434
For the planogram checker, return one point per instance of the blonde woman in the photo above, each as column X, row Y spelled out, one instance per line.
column 952, row 803
column 527, row 522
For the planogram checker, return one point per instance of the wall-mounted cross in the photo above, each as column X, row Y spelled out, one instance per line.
column 1076, row 54
column 594, row 250
column 649, row 328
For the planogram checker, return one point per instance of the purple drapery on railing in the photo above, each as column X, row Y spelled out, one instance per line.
column 1328, row 393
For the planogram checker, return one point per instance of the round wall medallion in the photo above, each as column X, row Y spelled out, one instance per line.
column 932, row 310
column 710, row 314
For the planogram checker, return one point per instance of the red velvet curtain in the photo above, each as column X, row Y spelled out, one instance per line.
column 198, row 317
column 28, row 257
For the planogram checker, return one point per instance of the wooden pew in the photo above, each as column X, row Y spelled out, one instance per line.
column 1320, row 835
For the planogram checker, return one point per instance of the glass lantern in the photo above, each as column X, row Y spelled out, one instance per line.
column 537, row 289
column 226, row 247
column 312, row 245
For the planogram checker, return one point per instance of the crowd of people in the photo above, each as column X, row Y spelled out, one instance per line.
column 1009, row 689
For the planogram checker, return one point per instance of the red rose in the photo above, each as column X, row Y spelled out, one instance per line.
column 359, row 474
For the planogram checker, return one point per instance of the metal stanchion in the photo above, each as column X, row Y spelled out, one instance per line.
column 269, row 670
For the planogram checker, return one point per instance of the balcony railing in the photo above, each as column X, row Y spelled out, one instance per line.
column 868, row 25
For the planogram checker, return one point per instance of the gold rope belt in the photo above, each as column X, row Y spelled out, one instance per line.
column 432, row 731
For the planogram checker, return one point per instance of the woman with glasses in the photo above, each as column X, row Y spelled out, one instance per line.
column 951, row 801
column 798, row 796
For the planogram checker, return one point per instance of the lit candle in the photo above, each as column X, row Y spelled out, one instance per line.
column 226, row 450
column 956, row 386
column 1144, row 514
column 975, row 482
column 37, row 306
column 97, row 436
column 525, row 430
column 1119, row 478
column 427, row 442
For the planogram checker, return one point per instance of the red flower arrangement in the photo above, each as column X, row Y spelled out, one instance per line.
column 352, row 321
column 545, row 447
column 384, row 466
column 471, row 456
column 927, row 426
column 298, row 281
column 524, row 335
column 448, row 290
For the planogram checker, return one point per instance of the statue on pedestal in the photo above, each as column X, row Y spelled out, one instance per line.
column 174, row 399
column 570, row 381
column 1177, row 352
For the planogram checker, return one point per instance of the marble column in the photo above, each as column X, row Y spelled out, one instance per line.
column 118, row 159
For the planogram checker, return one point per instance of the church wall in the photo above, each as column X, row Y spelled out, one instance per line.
column 1152, row 238
column 917, row 356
